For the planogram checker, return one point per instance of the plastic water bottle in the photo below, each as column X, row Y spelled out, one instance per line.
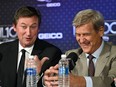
column 31, row 72
column 115, row 82
column 63, row 72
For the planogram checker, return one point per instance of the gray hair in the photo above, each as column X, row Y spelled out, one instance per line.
column 87, row 16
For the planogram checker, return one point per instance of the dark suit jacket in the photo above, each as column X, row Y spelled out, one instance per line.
column 9, row 55
column 105, row 69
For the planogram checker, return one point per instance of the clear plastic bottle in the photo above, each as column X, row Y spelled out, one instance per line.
column 63, row 72
column 115, row 82
column 31, row 72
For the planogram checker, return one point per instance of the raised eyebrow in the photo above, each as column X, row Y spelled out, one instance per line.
column 31, row 24
column 34, row 24
column 23, row 24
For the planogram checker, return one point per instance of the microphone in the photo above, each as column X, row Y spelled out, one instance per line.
column 72, row 60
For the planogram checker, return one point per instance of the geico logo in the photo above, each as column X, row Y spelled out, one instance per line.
column 53, row 4
column 44, row 0
column 7, row 32
column 50, row 35
column 109, row 28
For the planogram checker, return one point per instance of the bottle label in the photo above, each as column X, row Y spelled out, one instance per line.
column 66, row 71
column 63, row 71
column 31, row 71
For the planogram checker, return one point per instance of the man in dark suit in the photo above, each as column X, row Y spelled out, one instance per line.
column 26, row 24
column 97, row 71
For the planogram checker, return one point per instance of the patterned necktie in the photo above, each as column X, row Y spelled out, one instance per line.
column 91, row 68
column 20, row 72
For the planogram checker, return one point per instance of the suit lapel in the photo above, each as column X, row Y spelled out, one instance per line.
column 37, row 49
column 83, row 65
column 102, row 60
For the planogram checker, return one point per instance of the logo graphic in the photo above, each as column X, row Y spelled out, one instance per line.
column 44, row 0
column 50, row 35
column 110, row 28
column 48, row 3
column 7, row 33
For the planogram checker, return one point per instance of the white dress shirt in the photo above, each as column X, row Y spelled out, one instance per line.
column 28, row 53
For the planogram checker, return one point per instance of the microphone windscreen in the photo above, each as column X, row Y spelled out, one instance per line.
column 72, row 60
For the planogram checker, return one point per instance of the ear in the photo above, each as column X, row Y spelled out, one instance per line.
column 14, row 27
column 101, row 31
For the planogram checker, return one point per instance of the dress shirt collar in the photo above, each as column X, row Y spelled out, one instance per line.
column 98, row 51
column 28, row 49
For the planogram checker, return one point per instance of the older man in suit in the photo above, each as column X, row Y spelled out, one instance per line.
column 26, row 24
column 96, row 62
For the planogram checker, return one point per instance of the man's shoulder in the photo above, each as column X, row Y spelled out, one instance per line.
column 44, row 43
column 110, row 45
column 6, row 44
column 110, row 49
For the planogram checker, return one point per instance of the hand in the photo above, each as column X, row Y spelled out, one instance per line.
column 115, row 79
column 51, row 77
column 77, row 81
column 40, row 62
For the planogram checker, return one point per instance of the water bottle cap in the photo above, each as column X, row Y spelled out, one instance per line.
column 63, row 56
column 31, row 57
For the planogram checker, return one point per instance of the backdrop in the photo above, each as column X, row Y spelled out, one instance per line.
column 57, row 16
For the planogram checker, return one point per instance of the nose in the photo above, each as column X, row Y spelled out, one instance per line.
column 28, row 32
column 81, row 39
